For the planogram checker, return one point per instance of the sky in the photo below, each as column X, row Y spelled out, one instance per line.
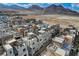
column 39, row 1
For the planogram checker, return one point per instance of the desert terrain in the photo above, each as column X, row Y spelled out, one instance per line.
column 63, row 20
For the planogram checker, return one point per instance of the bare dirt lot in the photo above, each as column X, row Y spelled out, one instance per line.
column 63, row 20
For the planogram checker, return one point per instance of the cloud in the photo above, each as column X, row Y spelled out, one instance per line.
column 23, row 5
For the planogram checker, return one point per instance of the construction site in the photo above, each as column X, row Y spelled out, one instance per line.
column 37, row 36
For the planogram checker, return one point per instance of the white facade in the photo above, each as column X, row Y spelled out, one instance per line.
column 31, row 43
column 9, row 50
column 22, row 50
column 44, row 36
column 36, row 42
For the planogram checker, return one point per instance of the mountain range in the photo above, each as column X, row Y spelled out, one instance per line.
column 48, row 8
column 22, row 6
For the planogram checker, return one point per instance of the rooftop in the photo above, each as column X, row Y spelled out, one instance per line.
column 7, row 46
column 60, row 52
column 58, row 39
column 6, row 35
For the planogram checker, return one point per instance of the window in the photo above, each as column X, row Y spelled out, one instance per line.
column 25, row 55
column 24, row 50
column 16, row 54
column 15, row 51
column 40, row 39
column 21, row 45
column 33, row 43
column 10, row 52
column 0, row 43
column 17, row 38
column 37, row 40
column 33, row 48
column 30, row 55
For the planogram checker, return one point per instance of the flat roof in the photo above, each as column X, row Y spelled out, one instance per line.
column 60, row 51
column 58, row 39
column 7, row 46
column 7, row 34
column 41, row 31
column 10, row 41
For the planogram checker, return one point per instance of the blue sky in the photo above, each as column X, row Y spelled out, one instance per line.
column 39, row 1
column 73, row 6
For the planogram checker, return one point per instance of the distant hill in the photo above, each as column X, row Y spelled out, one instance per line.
column 51, row 9
column 59, row 10
column 35, row 7
column 14, row 7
